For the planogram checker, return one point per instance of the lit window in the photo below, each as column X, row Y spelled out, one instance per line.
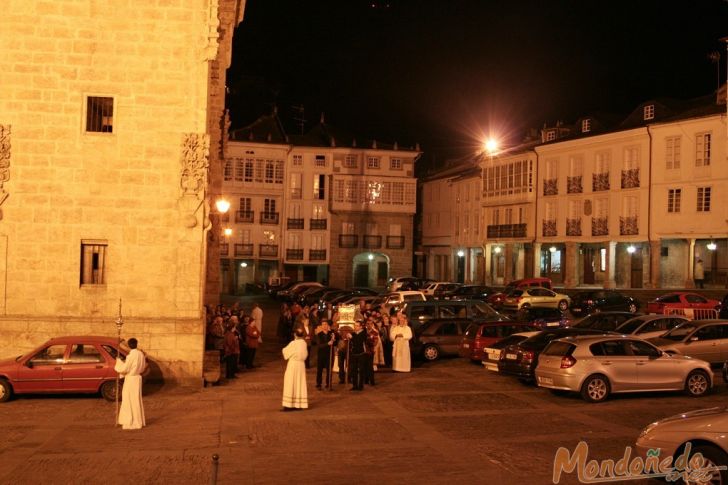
column 93, row 262
column 648, row 112
column 99, row 114
column 585, row 125
column 550, row 135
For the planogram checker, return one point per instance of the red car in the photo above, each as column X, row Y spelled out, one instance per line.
column 479, row 336
column 682, row 299
column 63, row 365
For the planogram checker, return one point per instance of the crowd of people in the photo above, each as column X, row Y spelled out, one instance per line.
column 349, row 352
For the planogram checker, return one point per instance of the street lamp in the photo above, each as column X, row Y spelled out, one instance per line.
column 490, row 146
column 228, row 232
column 497, row 250
column 370, row 257
column 631, row 249
column 552, row 249
column 711, row 246
column 461, row 253
column 222, row 205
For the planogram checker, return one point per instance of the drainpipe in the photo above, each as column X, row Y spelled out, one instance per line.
column 536, row 257
column 649, row 208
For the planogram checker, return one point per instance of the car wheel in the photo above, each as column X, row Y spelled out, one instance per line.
column 595, row 388
column 697, row 383
column 6, row 390
column 431, row 352
column 108, row 390
column 713, row 457
column 632, row 308
column 563, row 305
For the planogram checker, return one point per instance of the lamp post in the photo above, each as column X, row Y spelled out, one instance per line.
column 119, row 324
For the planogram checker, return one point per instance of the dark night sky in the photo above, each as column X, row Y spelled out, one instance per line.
column 445, row 72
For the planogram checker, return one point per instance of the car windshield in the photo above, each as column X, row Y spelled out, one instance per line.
column 481, row 311
column 680, row 332
column 630, row 326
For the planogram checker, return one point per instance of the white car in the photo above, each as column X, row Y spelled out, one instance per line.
column 397, row 298
column 491, row 355
column 706, row 430
column 430, row 289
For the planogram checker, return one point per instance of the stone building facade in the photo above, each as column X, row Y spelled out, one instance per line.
column 110, row 135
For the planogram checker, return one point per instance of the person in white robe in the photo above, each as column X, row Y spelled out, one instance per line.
column 131, row 413
column 257, row 315
column 401, row 334
column 295, row 392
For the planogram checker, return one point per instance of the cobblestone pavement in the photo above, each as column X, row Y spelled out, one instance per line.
column 445, row 422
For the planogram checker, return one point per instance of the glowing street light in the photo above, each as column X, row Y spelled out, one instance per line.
column 711, row 246
column 497, row 250
column 370, row 257
column 631, row 249
column 491, row 146
column 228, row 232
column 552, row 249
column 222, row 205
column 243, row 265
column 461, row 254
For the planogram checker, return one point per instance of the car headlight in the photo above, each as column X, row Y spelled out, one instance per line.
column 648, row 429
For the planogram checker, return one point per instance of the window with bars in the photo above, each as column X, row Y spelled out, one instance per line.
column 245, row 204
column 672, row 152
column 648, row 112
column 269, row 206
column 702, row 149
column 269, row 171
column 258, row 170
column 93, row 262
column 350, row 161
column 320, row 161
column 248, row 171
column 395, row 164
column 278, row 178
column 297, row 160
column 99, row 114
column 373, row 162
column 227, row 171
column 704, row 199
column 673, row 200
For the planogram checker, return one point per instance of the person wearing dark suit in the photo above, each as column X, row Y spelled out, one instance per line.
column 325, row 340
column 358, row 355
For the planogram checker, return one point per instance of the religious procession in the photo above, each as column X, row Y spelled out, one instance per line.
column 347, row 347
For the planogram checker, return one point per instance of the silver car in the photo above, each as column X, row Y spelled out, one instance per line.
column 596, row 366
column 703, row 339
column 706, row 430
column 648, row 326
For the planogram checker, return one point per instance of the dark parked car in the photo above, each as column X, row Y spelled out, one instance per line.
column 63, row 365
column 468, row 292
column 724, row 308
column 312, row 295
column 587, row 302
column 521, row 359
column 440, row 337
column 420, row 312
column 604, row 321
column 542, row 317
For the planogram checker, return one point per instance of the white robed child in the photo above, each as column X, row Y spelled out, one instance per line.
column 131, row 414
column 295, row 392
column 400, row 335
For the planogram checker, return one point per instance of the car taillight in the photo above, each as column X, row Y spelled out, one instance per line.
column 590, row 302
column 567, row 361
column 527, row 355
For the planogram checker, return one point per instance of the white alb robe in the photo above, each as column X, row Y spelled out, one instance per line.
column 131, row 413
column 295, row 392
column 401, row 358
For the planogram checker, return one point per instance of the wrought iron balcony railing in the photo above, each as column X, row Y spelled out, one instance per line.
column 295, row 223
column 269, row 217
column 268, row 250
column 348, row 240
column 296, row 254
column 549, row 228
column 395, row 242
column 499, row 231
column 628, row 226
column 317, row 255
column 573, row 185
column 573, row 227
column 372, row 242
column 600, row 182
column 630, row 178
column 244, row 216
column 551, row 187
column 600, row 226
column 243, row 249
column 296, row 193
column 317, row 224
